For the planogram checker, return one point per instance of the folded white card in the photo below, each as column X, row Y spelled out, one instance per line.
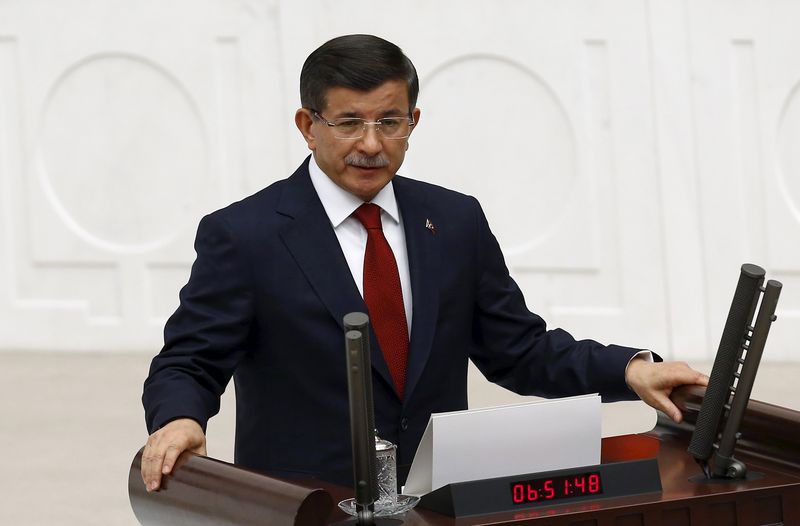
column 509, row 440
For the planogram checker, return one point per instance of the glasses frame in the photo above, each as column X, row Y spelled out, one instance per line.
column 378, row 126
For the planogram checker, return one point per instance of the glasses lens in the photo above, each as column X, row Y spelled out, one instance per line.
column 390, row 127
column 394, row 128
column 348, row 128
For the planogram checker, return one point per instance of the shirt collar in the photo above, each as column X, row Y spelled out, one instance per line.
column 339, row 204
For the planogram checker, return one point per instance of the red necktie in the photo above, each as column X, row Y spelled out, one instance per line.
column 384, row 296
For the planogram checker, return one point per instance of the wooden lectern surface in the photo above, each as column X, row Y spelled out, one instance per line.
column 770, row 447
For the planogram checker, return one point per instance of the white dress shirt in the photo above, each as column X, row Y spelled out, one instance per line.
column 339, row 204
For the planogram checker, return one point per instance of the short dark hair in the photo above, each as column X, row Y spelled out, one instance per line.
column 359, row 62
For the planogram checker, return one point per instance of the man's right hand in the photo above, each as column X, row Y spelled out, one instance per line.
column 165, row 446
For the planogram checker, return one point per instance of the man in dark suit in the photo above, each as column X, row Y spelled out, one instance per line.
column 276, row 272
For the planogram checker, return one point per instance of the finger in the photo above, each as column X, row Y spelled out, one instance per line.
column 171, row 456
column 665, row 405
column 692, row 377
column 680, row 374
column 152, row 460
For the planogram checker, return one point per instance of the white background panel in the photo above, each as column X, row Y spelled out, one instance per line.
column 630, row 154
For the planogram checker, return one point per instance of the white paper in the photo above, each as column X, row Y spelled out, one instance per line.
column 509, row 440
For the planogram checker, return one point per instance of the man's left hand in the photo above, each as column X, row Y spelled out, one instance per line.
column 654, row 382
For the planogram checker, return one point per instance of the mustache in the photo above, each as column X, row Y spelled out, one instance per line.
column 365, row 161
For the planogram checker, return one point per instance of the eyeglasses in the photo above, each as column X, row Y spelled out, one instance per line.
column 354, row 128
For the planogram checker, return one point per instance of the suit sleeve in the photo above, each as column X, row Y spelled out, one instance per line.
column 206, row 336
column 514, row 348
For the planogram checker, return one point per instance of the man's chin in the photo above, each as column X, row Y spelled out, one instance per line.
column 370, row 184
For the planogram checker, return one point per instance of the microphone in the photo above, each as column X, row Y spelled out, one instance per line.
column 362, row 415
column 362, row 425
column 733, row 375
column 741, row 312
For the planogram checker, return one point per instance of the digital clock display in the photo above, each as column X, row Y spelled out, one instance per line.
column 555, row 488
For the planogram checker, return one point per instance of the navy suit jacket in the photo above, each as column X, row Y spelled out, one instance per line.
column 265, row 302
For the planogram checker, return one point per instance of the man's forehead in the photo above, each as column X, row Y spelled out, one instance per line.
column 389, row 97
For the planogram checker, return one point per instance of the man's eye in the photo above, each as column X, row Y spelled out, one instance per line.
column 390, row 123
column 349, row 124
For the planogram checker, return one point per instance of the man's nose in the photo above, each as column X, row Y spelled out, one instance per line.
column 371, row 143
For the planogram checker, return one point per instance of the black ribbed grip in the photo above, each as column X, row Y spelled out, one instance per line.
column 740, row 315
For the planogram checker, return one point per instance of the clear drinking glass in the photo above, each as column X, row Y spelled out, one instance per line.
column 386, row 466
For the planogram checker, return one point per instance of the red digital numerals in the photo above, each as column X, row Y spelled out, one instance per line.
column 546, row 489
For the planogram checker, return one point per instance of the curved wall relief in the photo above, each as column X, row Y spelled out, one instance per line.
column 492, row 128
column 122, row 152
column 789, row 152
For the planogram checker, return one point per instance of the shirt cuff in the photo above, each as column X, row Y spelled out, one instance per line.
column 645, row 354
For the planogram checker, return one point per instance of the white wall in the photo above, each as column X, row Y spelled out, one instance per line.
column 630, row 154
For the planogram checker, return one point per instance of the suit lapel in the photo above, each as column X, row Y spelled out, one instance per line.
column 314, row 246
column 423, row 262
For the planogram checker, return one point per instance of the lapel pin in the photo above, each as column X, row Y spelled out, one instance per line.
column 430, row 226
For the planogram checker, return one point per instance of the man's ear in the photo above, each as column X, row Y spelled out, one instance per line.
column 415, row 113
column 303, row 120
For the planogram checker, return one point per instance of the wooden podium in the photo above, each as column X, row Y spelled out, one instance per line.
column 205, row 492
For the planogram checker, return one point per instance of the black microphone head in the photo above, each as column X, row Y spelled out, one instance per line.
column 753, row 271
